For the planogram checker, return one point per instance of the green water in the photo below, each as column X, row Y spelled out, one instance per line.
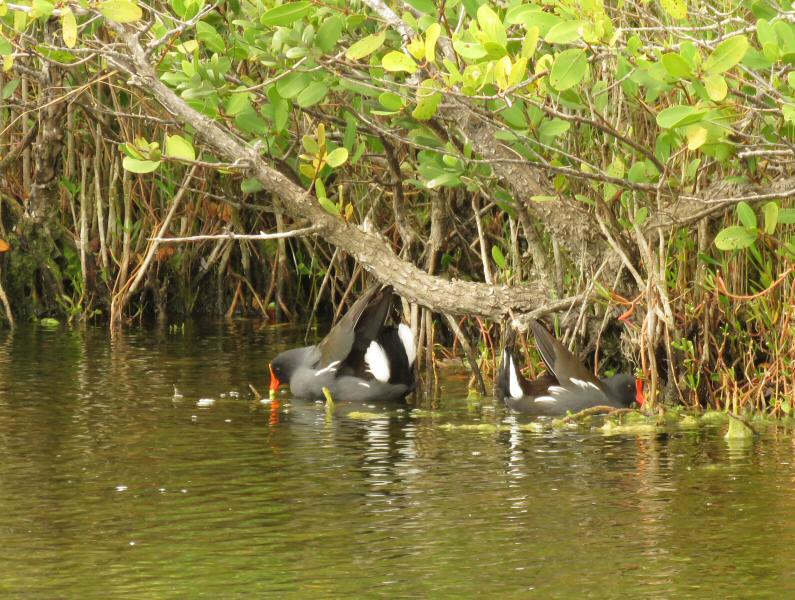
column 112, row 488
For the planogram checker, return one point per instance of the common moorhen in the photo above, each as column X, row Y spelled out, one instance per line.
column 361, row 358
column 568, row 385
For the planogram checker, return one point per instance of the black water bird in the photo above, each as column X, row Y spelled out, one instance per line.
column 361, row 358
column 567, row 386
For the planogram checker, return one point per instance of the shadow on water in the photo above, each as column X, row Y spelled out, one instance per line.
column 110, row 486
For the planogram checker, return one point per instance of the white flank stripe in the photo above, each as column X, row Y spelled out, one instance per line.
column 555, row 390
column 407, row 338
column 584, row 384
column 377, row 362
column 329, row 369
column 364, row 384
column 545, row 399
column 514, row 388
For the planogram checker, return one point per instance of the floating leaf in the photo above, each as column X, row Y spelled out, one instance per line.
column 747, row 215
column 336, row 157
column 366, row 46
column 568, row 69
column 727, row 54
column 69, row 28
column 397, row 61
column 735, row 237
column 121, row 11
column 286, row 14
column 180, row 148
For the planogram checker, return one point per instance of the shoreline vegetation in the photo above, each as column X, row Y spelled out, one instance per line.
column 626, row 173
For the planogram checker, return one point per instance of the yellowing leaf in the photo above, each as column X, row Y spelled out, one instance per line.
column 180, row 148
column 8, row 63
column 416, row 48
column 517, row 72
column 501, row 72
column 696, row 137
column 4, row 246
column 530, row 42
column 716, row 87
column 431, row 36
column 676, row 8
column 121, row 11
column 69, row 28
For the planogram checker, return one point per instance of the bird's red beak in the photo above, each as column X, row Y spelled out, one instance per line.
column 640, row 397
column 275, row 383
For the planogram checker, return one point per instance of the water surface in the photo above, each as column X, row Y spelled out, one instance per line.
column 112, row 487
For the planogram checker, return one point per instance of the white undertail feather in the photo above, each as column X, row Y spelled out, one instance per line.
column 407, row 338
column 513, row 387
column 329, row 369
column 377, row 362
column 583, row 384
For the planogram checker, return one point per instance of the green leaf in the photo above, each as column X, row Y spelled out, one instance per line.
column 391, row 101
column 471, row 51
column 293, row 84
column 676, row 66
column 139, row 166
column 312, row 94
column 445, row 179
column 366, row 46
column 786, row 216
column 770, row 210
column 716, row 87
column 236, row 103
column 178, row 147
column 679, row 116
column 41, row 8
column 675, row 8
column 49, row 322
column 286, row 14
column 207, row 34
column 549, row 130
column 565, row 32
column 336, row 157
column 328, row 34
column 397, row 61
column 727, row 54
column 569, row 69
column 498, row 256
column 491, row 25
column 735, row 237
column 250, row 186
column 69, row 28
column 428, row 100
column 329, row 206
column 747, row 215
column 121, row 11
